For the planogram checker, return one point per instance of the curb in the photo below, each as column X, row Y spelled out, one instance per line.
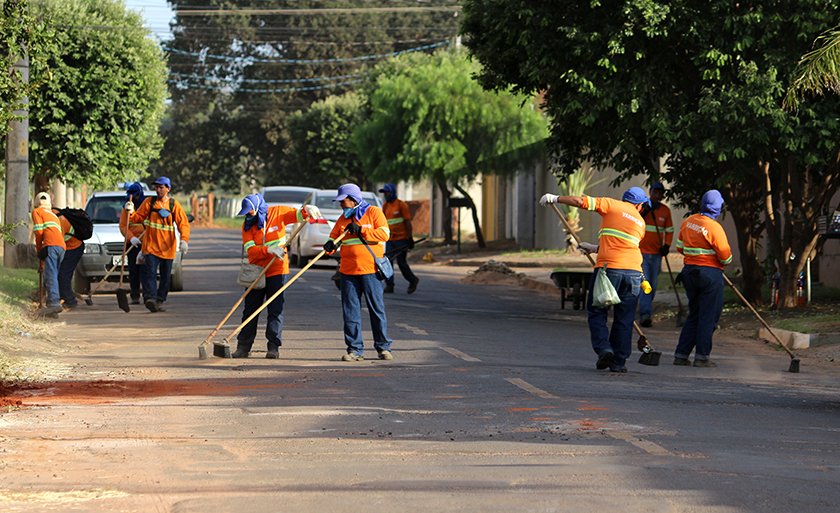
column 796, row 340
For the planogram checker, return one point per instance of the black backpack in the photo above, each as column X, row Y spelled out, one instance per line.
column 80, row 221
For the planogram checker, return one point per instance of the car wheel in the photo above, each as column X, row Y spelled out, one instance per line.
column 293, row 258
column 81, row 284
column 177, row 282
column 301, row 260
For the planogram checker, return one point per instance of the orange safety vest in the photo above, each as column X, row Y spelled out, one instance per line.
column 256, row 241
column 398, row 215
column 160, row 231
column 355, row 258
column 134, row 229
column 622, row 229
column 703, row 242
column 653, row 241
column 47, row 228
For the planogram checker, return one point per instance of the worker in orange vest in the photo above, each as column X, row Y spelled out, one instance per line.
column 402, row 239
column 659, row 233
column 622, row 229
column 133, row 230
column 74, row 248
column 703, row 242
column 358, row 271
column 49, row 242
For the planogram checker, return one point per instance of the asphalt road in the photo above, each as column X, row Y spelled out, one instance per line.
column 492, row 403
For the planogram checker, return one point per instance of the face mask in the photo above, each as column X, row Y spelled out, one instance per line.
column 348, row 212
column 249, row 218
column 163, row 213
column 387, row 198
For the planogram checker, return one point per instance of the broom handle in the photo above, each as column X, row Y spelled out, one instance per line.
column 668, row 264
column 122, row 260
column 591, row 260
column 109, row 272
column 250, row 287
column 729, row 282
column 283, row 288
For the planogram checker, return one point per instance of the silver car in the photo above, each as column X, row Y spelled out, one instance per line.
column 288, row 195
column 315, row 233
column 105, row 247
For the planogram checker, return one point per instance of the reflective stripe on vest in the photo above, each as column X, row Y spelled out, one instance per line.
column 612, row 232
column 395, row 220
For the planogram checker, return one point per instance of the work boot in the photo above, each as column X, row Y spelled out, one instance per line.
column 604, row 361
column 413, row 285
column 389, row 289
column 151, row 305
column 50, row 311
column 385, row 355
column 646, row 322
column 704, row 363
column 159, row 306
column 272, row 354
column 240, row 353
column 135, row 301
column 69, row 306
column 682, row 361
column 352, row 357
column 621, row 370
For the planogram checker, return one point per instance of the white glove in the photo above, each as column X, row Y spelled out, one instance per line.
column 141, row 259
column 548, row 198
column 135, row 241
column 277, row 251
column 313, row 212
column 587, row 248
column 184, row 247
column 129, row 206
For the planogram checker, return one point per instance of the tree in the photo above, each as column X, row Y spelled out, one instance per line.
column 430, row 119
column 20, row 34
column 818, row 71
column 701, row 81
column 96, row 120
column 318, row 152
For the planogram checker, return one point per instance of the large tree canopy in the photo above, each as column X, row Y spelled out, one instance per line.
column 430, row 119
column 96, row 120
column 702, row 81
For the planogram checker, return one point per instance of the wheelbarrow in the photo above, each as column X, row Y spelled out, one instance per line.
column 573, row 285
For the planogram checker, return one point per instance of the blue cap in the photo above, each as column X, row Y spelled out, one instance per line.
column 389, row 188
column 163, row 181
column 249, row 203
column 349, row 190
column 636, row 195
column 657, row 185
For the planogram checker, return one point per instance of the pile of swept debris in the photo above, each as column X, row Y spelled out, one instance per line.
column 493, row 272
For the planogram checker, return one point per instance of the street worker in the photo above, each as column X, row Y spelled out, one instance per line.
column 402, row 239
column 358, row 270
column 74, row 248
column 159, row 216
column 622, row 229
column 264, row 237
column 49, row 242
column 659, row 233
column 134, row 232
column 706, row 249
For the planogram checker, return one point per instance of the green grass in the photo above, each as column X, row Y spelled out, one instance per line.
column 16, row 286
column 229, row 222
column 829, row 323
column 537, row 253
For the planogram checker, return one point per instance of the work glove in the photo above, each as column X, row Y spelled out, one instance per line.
column 411, row 243
column 277, row 251
column 548, row 198
column 184, row 247
column 42, row 253
column 664, row 250
column 587, row 248
column 313, row 212
column 355, row 229
column 329, row 246
column 678, row 279
column 141, row 259
column 129, row 207
column 135, row 241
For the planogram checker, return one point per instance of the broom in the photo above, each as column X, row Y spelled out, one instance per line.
column 122, row 295
column 680, row 320
column 89, row 299
column 649, row 356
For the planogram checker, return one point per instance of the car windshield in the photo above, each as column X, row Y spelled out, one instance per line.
column 105, row 209
column 326, row 202
column 285, row 196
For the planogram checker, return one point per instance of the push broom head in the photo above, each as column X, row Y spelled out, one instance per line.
column 221, row 350
column 794, row 365
column 649, row 356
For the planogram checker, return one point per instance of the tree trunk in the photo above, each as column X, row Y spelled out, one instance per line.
column 478, row 235
column 446, row 212
column 742, row 203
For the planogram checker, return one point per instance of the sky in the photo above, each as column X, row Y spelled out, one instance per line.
column 157, row 14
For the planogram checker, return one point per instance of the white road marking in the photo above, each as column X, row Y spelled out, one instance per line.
column 319, row 289
column 459, row 354
column 416, row 331
column 644, row 445
column 524, row 385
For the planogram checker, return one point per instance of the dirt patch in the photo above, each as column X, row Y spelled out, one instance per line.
column 494, row 273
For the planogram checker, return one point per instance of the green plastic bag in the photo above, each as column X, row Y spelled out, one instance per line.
column 604, row 294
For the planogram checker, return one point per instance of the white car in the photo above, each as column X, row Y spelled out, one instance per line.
column 287, row 195
column 105, row 247
column 315, row 233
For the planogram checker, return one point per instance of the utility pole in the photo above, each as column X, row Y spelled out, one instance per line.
column 17, row 173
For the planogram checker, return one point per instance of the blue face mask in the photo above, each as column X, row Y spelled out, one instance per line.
column 348, row 212
column 249, row 218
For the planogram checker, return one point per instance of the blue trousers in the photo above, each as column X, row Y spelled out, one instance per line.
column 152, row 289
column 618, row 340
column 65, row 274
column 704, row 288
column 353, row 287
column 392, row 248
column 55, row 255
column 274, row 325
column 651, row 265
column 133, row 271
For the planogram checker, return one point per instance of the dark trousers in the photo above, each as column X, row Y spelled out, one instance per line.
column 65, row 274
column 152, row 289
column 619, row 339
column 704, row 288
column 394, row 248
column 274, row 325
column 133, row 272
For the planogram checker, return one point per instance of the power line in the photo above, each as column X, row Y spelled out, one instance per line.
column 268, row 81
column 325, row 10
column 287, row 90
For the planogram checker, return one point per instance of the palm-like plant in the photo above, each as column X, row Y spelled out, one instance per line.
column 576, row 185
column 818, row 70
